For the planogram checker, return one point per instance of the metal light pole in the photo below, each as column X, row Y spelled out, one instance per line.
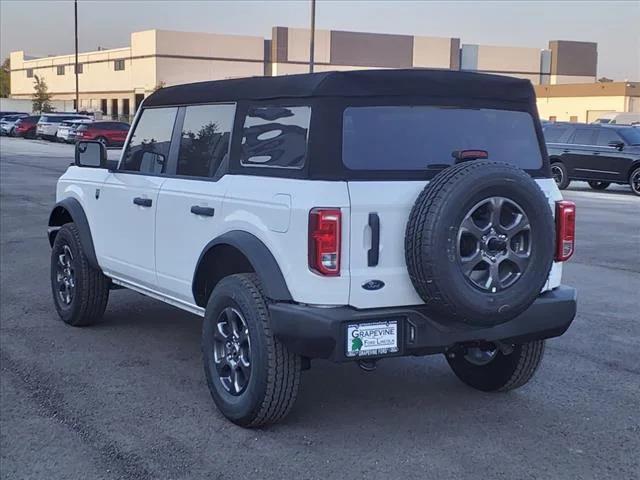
column 75, row 11
column 313, row 35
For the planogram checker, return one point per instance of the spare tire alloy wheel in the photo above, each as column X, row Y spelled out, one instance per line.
column 494, row 243
column 479, row 243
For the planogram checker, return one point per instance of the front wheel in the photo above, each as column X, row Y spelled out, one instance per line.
column 560, row 175
column 80, row 292
column 634, row 181
column 252, row 377
column 490, row 370
column 599, row 185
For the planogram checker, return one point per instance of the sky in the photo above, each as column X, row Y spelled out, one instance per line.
column 46, row 27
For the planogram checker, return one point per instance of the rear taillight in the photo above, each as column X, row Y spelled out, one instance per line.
column 324, row 241
column 565, row 230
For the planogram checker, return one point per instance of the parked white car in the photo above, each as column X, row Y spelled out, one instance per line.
column 350, row 216
column 8, row 122
column 624, row 118
column 48, row 124
column 66, row 130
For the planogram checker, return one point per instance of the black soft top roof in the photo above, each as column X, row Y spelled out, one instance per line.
column 360, row 83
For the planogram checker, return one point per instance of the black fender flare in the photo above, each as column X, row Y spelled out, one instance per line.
column 74, row 210
column 260, row 258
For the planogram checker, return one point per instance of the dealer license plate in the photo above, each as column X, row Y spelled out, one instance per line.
column 375, row 338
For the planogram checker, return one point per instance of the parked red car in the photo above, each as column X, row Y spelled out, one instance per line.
column 111, row 134
column 26, row 126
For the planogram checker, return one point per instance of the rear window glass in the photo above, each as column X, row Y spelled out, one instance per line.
column 275, row 136
column 631, row 135
column 417, row 137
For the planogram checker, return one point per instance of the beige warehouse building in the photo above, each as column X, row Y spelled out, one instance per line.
column 115, row 81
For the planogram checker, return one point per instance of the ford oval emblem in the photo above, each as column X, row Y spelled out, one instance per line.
column 373, row 285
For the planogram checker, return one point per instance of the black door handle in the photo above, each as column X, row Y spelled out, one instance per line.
column 204, row 211
column 143, row 202
column 595, row 153
column 566, row 150
column 373, row 255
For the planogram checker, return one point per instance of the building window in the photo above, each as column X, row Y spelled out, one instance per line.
column 125, row 106
column 29, row 72
column 103, row 106
column 75, row 105
column 552, row 118
column 60, row 70
column 573, row 118
column 79, row 68
column 114, row 108
column 118, row 65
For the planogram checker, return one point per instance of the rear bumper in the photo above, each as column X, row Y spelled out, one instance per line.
column 319, row 332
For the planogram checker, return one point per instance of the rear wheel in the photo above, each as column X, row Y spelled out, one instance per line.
column 252, row 377
column 80, row 292
column 560, row 175
column 490, row 370
column 599, row 185
column 634, row 181
column 103, row 141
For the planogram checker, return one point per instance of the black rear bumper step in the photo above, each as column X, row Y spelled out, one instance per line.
column 320, row 332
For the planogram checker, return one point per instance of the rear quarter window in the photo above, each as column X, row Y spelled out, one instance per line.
column 275, row 136
column 414, row 138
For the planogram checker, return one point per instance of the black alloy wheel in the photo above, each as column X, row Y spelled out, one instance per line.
column 232, row 351
column 494, row 244
column 65, row 276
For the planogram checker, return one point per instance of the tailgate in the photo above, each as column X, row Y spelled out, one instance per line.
column 391, row 203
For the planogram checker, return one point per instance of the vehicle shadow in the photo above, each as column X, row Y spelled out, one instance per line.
column 403, row 394
column 623, row 190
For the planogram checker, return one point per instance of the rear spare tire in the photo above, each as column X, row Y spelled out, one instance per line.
column 479, row 243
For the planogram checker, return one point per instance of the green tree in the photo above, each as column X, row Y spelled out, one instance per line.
column 41, row 97
column 5, row 79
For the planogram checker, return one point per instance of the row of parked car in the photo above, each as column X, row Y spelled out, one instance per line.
column 63, row 127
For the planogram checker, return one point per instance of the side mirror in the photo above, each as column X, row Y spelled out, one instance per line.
column 617, row 144
column 91, row 154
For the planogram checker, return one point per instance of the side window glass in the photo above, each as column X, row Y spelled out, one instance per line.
column 148, row 149
column 553, row 134
column 583, row 136
column 204, row 140
column 605, row 136
column 275, row 136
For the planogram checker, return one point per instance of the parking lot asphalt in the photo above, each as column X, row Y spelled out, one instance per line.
column 127, row 398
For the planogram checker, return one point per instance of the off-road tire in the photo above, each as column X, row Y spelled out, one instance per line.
column 599, row 185
column 275, row 372
column 564, row 181
column 91, row 292
column 503, row 372
column 431, row 242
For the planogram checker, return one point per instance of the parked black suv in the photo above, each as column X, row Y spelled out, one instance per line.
column 598, row 154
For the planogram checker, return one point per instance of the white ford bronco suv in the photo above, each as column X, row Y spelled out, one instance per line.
column 349, row 216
